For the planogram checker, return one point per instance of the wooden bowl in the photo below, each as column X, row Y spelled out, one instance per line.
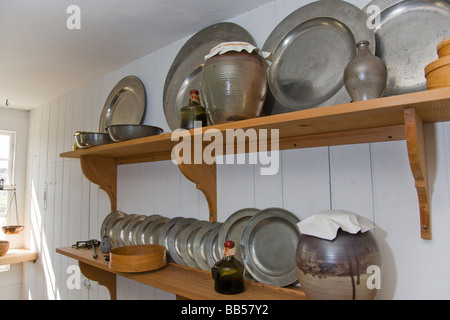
column 4, row 247
column 438, row 73
column 443, row 48
column 137, row 258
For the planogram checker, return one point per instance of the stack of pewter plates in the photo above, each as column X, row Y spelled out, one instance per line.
column 189, row 241
column 265, row 240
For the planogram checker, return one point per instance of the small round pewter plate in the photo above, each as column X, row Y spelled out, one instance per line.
column 407, row 36
column 185, row 72
column 269, row 243
column 173, row 239
column 212, row 252
column 186, row 242
column 165, row 230
column 233, row 227
column 152, row 232
column 119, row 229
column 140, row 230
column 201, row 244
column 130, row 228
column 126, row 104
column 106, row 224
column 311, row 48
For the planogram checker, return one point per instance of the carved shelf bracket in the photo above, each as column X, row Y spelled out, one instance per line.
column 103, row 172
column 417, row 158
column 103, row 277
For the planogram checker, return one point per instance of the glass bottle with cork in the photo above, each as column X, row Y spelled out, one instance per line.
column 228, row 272
column 194, row 111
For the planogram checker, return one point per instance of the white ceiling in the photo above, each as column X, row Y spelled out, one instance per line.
column 40, row 58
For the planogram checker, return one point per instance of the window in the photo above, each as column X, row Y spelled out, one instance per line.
column 7, row 152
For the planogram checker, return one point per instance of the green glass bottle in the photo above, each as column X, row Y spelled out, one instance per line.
column 228, row 272
column 194, row 111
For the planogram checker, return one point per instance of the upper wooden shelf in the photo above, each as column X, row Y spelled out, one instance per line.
column 358, row 122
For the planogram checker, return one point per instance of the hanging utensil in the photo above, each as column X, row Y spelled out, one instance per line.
column 11, row 227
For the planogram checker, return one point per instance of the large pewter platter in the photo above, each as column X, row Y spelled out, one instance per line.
column 268, row 245
column 311, row 48
column 126, row 104
column 184, row 74
column 408, row 34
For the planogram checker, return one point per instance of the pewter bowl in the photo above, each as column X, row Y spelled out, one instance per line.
column 91, row 139
column 121, row 132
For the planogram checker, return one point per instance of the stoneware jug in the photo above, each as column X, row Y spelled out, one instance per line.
column 366, row 75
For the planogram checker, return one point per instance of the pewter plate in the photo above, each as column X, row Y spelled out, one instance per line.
column 173, row 239
column 311, row 48
column 184, row 74
column 119, row 230
column 269, row 243
column 131, row 228
column 186, row 242
column 152, row 232
column 106, row 224
column 212, row 252
column 201, row 245
column 165, row 230
column 138, row 235
column 408, row 34
column 232, row 228
column 126, row 104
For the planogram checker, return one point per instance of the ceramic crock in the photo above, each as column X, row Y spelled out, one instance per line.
column 337, row 269
column 233, row 86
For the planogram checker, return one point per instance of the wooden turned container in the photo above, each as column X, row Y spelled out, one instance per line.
column 137, row 258
column 438, row 72
column 443, row 48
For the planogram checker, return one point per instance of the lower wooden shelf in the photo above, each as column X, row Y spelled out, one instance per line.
column 18, row 256
column 183, row 281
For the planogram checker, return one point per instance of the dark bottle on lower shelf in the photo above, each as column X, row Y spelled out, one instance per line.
column 228, row 272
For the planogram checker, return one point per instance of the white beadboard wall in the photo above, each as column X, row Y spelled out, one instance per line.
column 373, row 180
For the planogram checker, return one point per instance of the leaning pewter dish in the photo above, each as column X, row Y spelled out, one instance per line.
column 201, row 245
column 126, row 103
column 138, row 235
column 184, row 74
column 152, row 231
column 131, row 227
column 269, row 244
column 86, row 139
column 233, row 227
column 107, row 222
column 311, row 48
column 407, row 37
column 122, row 132
column 173, row 239
column 186, row 242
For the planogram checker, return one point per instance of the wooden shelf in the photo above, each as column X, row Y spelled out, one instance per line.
column 386, row 119
column 18, row 256
column 183, row 281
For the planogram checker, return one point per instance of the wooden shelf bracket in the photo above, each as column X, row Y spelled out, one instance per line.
column 417, row 158
column 103, row 172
